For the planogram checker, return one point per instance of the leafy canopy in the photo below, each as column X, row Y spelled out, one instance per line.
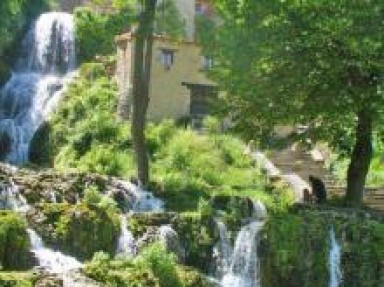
column 316, row 62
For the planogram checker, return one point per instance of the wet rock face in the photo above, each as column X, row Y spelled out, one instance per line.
column 69, row 5
column 46, row 185
column 78, row 230
column 226, row 203
column 48, row 280
column 5, row 145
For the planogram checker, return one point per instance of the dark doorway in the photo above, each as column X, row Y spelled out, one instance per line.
column 202, row 97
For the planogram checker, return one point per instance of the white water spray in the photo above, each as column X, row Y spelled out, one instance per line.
column 36, row 85
column 240, row 267
column 223, row 250
column 143, row 201
column 50, row 260
column 126, row 244
column 335, row 274
column 244, row 269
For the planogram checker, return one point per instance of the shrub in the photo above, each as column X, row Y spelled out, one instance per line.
column 14, row 243
column 161, row 263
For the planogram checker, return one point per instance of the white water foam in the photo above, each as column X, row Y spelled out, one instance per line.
column 36, row 85
column 335, row 274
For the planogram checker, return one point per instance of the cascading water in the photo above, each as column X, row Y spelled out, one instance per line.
column 223, row 250
column 50, row 260
column 12, row 199
column 36, row 85
column 143, row 201
column 126, row 244
column 240, row 267
column 335, row 274
column 244, row 268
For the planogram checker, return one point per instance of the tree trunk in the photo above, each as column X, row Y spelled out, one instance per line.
column 141, row 81
column 360, row 160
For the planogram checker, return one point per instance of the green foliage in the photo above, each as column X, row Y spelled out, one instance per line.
column 17, row 279
column 375, row 178
column 298, row 246
column 169, row 21
column 81, row 229
column 196, row 234
column 93, row 198
column 294, row 62
column 161, row 263
column 119, row 273
column 153, row 267
column 211, row 124
column 14, row 244
column 95, row 31
column 80, row 138
column 205, row 209
column 300, row 64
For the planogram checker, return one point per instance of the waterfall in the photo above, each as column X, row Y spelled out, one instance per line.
column 244, row 268
column 10, row 198
column 126, row 244
column 239, row 267
column 143, row 201
column 169, row 237
column 50, row 260
column 223, row 250
column 335, row 274
column 36, row 85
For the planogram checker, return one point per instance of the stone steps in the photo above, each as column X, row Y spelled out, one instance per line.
column 301, row 163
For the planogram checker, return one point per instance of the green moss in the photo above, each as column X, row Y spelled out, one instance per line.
column 197, row 237
column 79, row 230
column 17, row 279
column 297, row 246
column 14, row 243
column 193, row 278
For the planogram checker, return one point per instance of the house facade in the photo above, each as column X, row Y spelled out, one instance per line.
column 179, row 87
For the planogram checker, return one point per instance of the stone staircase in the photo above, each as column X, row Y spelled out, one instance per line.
column 295, row 160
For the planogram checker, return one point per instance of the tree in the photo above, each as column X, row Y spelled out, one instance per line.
column 140, row 91
column 315, row 62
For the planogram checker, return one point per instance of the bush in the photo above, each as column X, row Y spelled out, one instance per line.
column 161, row 263
column 14, row 243
column 79, row 138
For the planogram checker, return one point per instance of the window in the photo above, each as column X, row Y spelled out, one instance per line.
column 207, row 63
column 167, row 58
column 199, row 8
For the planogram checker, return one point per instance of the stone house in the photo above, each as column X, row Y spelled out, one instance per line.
column 179, row 87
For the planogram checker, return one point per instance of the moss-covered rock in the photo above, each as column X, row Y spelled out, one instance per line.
column 47, row 185
column 193, row 278
column 197, row 234
column 40, row 152
column 79, row 230
column 5, row 145
column 14, row 243
column 296, row 247
column 139, row 223
column 197, row 237
column 17, row 279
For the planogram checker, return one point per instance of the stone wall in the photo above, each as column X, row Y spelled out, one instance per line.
column 69, row 5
